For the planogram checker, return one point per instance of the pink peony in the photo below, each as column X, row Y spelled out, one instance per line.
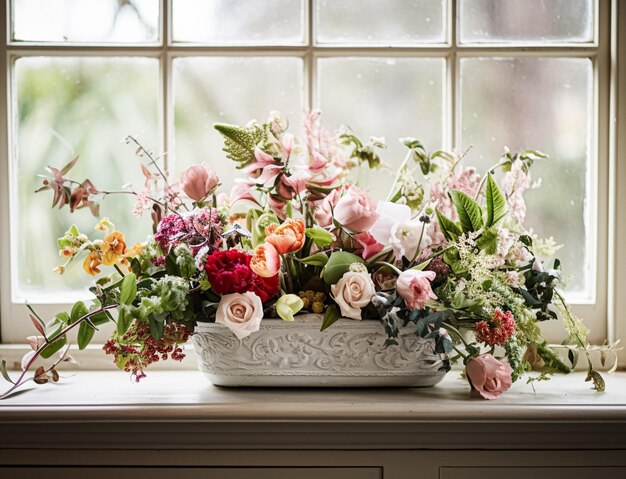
column 356, row 210
column 198, row 181
column 489, row 376
column 413, row 286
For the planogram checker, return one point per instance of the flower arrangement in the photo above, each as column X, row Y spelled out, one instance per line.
column 447, row 251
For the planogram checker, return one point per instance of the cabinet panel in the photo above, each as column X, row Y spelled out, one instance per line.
column 526, row 472
column 194, row 472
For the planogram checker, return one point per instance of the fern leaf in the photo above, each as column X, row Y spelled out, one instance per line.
column 239, row 142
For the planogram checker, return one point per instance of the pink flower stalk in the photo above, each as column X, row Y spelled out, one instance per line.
column 514, row 184
column 498, row 330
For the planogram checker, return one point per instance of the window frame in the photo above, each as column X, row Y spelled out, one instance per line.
column 605, row 247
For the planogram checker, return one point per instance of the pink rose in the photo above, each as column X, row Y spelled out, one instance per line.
column 489, row 376
column 414, row 287
column 356, row 210
column 353, row 292
column 324, row 209
column 198, row 181
column 240, row 312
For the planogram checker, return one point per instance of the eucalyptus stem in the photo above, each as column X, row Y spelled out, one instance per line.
column 47, row 342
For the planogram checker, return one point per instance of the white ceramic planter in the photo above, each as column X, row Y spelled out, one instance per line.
column 297, row 354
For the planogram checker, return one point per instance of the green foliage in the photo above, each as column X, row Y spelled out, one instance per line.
column 240, row 142
column 448, row 227
column 469, row 212
column 496, row 202
column 128, row 290
column 552, row 362
column 331, row 315
column 338, row 264
column 317, row 259
column 320, row 236
column 488, row 241
column 598, row 380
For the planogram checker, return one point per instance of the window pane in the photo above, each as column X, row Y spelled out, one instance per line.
column 104, row 21
column 238, row 22
column 65, row 107
column 229, row 90
column 544, row 104
column 380, row 22
column 526, row 21
column 388, row 97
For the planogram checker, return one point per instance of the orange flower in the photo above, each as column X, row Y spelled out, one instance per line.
column 265, row 261
column 92, row 261
column 135, row 250
column 287, row 237
column 113, row 247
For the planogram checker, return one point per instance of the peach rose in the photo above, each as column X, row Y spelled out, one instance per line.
column 489, row 376
column 353, row 292
column 413, row 286
column 287, row 237
column 265, row 261
column 356, row 210
column 240, row 312
column 198, row 181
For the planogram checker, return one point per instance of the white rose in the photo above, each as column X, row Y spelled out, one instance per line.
column 240, row 312
column 353, row 292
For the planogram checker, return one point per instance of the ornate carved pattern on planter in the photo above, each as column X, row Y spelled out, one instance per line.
column 349, row 353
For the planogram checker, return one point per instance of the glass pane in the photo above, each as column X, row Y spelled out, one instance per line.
column 384, row 97
column 102, row 21
column 68, row 107
column 526, row 21
column 380, row 22
column 229, row 90
column 239, row 22
column 543, row 104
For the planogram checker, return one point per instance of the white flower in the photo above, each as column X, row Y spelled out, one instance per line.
column 395, row 228
column 353, row 292
column 240, row 312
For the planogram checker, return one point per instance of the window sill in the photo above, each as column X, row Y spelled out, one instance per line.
column 182, row 410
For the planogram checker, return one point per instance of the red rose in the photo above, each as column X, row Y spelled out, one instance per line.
column 265, row 288
column 229, row 272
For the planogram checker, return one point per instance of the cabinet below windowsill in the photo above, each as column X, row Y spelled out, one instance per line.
column 178, row 419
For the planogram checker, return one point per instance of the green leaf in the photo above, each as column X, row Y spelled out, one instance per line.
column 53, row 347
column 338, row 264
column 288, row 305
column 331, row 315
column 123, row 321
column 85, row 334
column 128, row 290
column 73, row 231
column 157, row 324
column 63, row 317
column 598, row 380
column 469, row 212
column 317, row 259
column 66, row 169
column 448, row 227
column 5, row 374
column 320, row 236
column 78, row 311
column 496, row 202
column 488, row 241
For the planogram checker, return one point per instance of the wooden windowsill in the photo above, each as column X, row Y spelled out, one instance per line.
column 181, row 409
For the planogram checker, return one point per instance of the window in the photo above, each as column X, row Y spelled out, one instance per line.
column 465, row 73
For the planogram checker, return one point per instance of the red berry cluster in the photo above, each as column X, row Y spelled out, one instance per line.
column 137, row 349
